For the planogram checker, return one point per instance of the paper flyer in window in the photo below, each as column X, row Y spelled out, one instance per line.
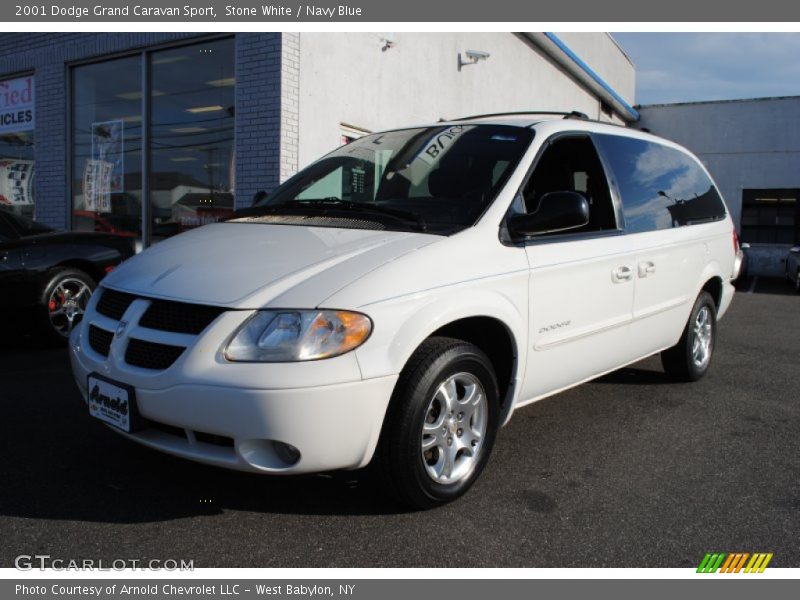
column 16, row 182
column 108, row 145
column 97, row 186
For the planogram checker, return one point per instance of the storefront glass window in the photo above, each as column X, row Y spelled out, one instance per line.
column 191, row 136
column 17, row 119
column 106, row 147
column 190, row 100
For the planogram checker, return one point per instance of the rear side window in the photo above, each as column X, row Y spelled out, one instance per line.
column 661, row 187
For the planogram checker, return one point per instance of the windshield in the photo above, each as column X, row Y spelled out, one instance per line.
column 435, row 179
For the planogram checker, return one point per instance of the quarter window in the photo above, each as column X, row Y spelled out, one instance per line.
column 661, row 187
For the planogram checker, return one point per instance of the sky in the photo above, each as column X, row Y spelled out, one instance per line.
column 685, row 67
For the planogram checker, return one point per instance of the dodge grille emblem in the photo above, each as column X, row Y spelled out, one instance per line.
column 121, row 328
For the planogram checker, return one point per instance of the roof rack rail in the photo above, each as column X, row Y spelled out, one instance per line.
column 573, row 114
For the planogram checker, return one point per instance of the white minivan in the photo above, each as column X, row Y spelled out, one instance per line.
column 393, row 303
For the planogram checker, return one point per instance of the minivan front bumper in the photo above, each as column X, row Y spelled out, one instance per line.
column 234, row 425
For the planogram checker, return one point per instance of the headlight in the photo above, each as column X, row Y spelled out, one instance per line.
column 295, row 335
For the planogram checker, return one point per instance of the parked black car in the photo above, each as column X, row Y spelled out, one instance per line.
column 49, row 275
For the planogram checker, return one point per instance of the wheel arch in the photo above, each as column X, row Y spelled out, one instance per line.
column 495, row 338
column 712, row 282
column 82, row 265
column 490, row 320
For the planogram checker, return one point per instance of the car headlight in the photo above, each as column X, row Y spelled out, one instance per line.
column 297, row 335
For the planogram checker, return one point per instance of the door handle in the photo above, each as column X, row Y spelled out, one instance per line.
column 621, row 274
column 646, row 268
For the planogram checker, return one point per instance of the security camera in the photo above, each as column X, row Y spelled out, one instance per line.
column 477, row 55
column 473, row 56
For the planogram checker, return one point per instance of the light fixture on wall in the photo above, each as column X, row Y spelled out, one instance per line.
column 473, row 56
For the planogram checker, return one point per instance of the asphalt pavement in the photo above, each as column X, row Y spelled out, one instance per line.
column 626, row 471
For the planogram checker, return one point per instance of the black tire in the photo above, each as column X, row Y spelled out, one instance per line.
column 400, row 462
column 797, row 282
column 679, row 361
column 73, row 279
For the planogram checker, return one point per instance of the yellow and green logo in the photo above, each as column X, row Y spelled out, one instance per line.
column 721, row 562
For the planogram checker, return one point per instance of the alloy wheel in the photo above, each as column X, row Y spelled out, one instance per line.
column 454, row 429
column 67, row 303
column 702, row 334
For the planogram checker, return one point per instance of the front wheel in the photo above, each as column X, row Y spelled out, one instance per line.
column 441, row 424
column 689, row 359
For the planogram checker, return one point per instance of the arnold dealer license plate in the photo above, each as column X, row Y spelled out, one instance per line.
column 111, row 402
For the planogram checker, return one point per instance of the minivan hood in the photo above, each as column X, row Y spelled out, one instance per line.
column 248, row 265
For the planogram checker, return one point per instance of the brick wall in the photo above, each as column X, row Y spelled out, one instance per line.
column 258, row 114
column 290, row 104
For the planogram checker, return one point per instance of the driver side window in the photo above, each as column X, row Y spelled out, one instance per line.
column 572, row 165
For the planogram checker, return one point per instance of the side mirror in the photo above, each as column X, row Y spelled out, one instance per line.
column 259, row 196
column 558, row 211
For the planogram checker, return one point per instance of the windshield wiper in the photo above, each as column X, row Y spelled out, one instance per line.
column 365, row 207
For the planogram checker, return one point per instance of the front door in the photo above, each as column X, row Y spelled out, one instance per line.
column 581, row 282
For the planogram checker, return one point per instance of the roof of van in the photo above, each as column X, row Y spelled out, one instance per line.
column 555, row 122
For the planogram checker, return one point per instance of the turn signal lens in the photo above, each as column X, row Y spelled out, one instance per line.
column 288, row 336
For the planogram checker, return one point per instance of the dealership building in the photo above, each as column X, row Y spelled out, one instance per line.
column 752, row 149
column 150, row 134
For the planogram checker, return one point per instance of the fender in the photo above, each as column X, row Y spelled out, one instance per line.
column 417, row 316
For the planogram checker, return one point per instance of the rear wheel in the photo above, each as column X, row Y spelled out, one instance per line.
column 64, row 302
column 797, row 281
column 690, row 358
column 441, row 424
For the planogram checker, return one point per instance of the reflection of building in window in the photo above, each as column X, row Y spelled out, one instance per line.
column 191, row 96
column 706, row 207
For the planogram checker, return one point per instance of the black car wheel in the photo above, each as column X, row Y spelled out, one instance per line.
column 63, row 302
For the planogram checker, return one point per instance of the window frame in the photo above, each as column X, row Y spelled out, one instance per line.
column 145, row 109
column 533, row 240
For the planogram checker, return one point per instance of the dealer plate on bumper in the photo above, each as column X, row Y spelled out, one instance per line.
column 112, row 402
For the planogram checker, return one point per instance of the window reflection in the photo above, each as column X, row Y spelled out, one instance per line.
column 191, row 136
column 106, row 147
column 661, row 187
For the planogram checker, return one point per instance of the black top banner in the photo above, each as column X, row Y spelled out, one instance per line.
column 217, row 11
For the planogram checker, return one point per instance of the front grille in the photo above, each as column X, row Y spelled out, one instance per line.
column 100, row 340
column 113, row 304
column 150, row 355
column 179, row 317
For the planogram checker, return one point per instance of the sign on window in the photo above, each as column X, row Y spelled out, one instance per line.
column 17, row 112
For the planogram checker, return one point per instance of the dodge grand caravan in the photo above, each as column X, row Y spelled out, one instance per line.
column 395, row 302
